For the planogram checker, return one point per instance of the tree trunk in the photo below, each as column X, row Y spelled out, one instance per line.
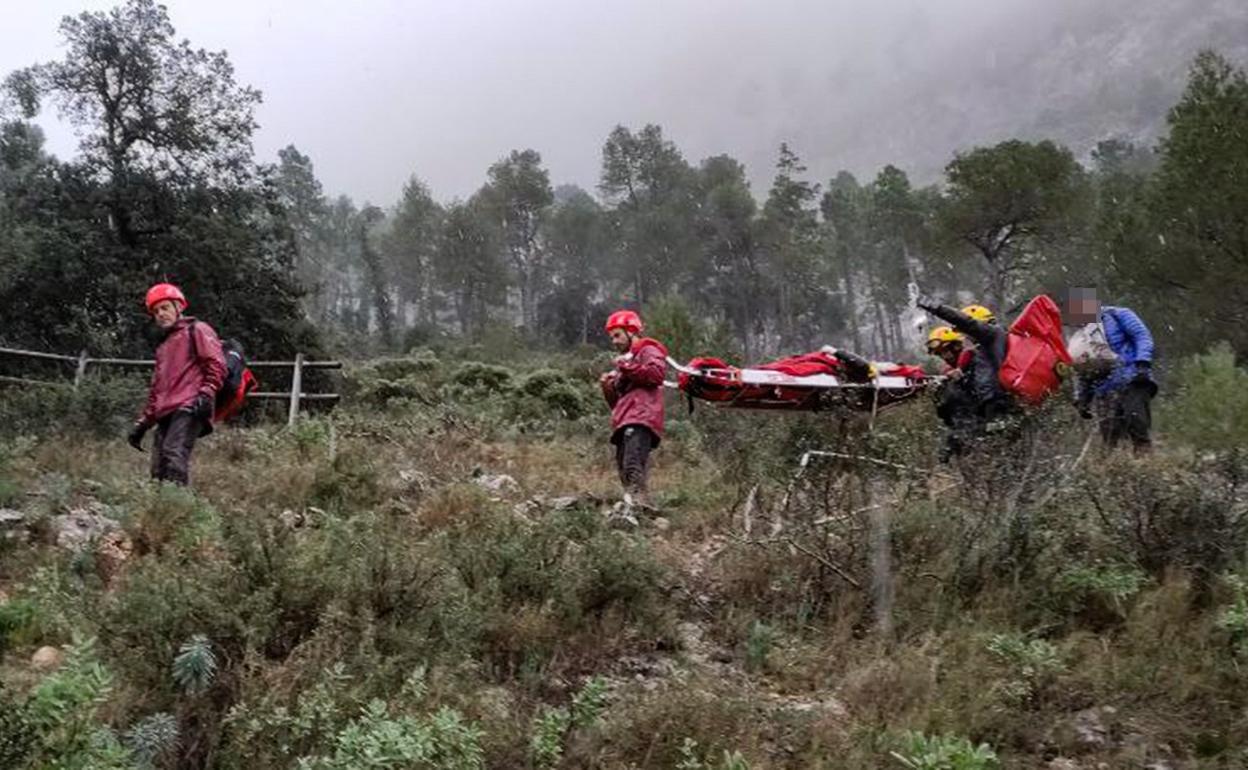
column 381, row 297
column 881, row 326
column 851, row 307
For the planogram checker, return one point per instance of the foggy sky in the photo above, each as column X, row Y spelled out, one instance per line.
column 377, row 90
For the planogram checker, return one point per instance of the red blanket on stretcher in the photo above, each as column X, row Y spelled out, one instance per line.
column 721, row 381
column 811, row 364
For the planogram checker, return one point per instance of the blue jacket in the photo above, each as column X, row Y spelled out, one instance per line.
column 1130, row 340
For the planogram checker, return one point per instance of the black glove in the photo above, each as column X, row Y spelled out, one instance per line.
column 201, row 407
column 1085, row 411
column 1143, row 371
column 135, row 437
column 925, row 302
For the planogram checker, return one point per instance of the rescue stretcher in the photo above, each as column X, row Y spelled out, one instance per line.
column 825, row 380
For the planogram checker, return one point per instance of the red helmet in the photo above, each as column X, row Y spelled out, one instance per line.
column 165, row 291
column 626, row 320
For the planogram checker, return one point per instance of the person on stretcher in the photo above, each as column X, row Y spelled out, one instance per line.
column 816, row 381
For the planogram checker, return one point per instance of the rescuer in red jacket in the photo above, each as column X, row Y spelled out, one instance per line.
column 634, row 391
column 190, row 368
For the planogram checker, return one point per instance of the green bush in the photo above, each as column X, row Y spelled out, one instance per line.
column 1031, row 666
column 759, row 643
column 102, row 407
column 1095, row 591
column 154, row 740
column 10, row 493
column 63, row 710
column 419, row 364
column 1210, row 409
column 672, row 321
column 375, row 739
column 18, row 736
column 689, row 759
column 379, row 383
column 552, row 725
column 267, row 733
column 18, row 624
column 349, row 481
column 943, row 752
column 195, row 667
column 485, row 378
column 556, row 391
column 1233, row 620
column 1169, row 512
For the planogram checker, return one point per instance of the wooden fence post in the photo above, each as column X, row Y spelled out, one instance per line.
column 296, row 388
column 81, row 371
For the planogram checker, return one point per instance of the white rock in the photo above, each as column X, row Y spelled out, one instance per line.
column 77, row 529
column 11, row 519
column 497, row 482
column 47, row 658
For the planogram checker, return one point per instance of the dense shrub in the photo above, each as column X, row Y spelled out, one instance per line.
column 1210, row 408
column 102, row 406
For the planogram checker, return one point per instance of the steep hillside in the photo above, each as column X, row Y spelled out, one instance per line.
column 433, row 577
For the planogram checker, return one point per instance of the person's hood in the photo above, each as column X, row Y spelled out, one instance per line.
column 648, row 342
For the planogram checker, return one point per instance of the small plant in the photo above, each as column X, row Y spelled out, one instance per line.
column 551, row 726
column 62, row 711
column 1117, row 584
column 486, row 378
column 17, row 733
column 690, row 760
column 18, row 623
column 10, row 493
column 1210, row 410
column 1234, row 619
column 320, row 712
column 375, row 739
column 308, row 434
column 153, row 739
column 1032, row 665
column 943, row 752
column 195, row 667
column 587, row 705
column 758, row 645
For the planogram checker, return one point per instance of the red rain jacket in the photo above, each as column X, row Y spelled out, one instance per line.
column 184, row 369
column 634, row 390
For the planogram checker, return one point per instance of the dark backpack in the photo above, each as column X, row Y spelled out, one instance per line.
column 238, row 382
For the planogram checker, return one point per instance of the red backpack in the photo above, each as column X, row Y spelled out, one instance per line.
column 1033, row 351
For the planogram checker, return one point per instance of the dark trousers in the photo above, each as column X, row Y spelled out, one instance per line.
column 171, row 449
column 1127, row 413
column 633, row 444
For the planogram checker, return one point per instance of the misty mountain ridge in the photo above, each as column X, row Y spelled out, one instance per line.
column 1091, row 72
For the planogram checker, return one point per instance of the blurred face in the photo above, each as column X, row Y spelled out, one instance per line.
column 949, row 353
column 166, row 313
column 621, row 340
column 1082, row 306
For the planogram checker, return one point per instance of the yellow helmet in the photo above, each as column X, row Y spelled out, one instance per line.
column 941, row 336
column 979, row 313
